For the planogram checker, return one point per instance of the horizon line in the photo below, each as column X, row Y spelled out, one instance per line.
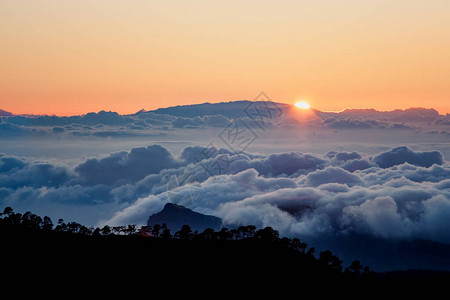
column 223, row 102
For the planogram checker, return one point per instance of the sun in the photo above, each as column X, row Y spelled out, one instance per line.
column 303, row 105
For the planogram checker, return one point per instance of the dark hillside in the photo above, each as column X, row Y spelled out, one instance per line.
column 258, row 260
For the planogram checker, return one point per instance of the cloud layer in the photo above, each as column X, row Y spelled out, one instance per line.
column 397, row 194
column 263, row 115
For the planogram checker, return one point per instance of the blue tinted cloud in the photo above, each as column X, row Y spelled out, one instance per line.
column 402, row 155
column 126, row 166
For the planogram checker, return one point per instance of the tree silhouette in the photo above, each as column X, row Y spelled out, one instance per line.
column 7, row 211
column 130, row 229
column 47, row 224
column 30, row 221
column 156, row 230
column 311, row 252
column 74, row 227
column 145, row 231
column 354, row 270
column 118, row 229
column 185, row 233
column 61, row 226
column 327, row 258
column 267, row 234
column 355, row 267
column 247, row 231
column 235, row 234
column 96, row 232
column 106, row 230
column 224, row 234
column 207, row 234
column 285, row 242
column 165, row 232
column 297, row 245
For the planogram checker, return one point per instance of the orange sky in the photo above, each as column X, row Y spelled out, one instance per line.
column 70, row 57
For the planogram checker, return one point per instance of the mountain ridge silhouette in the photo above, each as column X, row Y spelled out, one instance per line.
column 175, row 216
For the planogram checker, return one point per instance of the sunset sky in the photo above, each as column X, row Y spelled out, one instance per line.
column 70, row 57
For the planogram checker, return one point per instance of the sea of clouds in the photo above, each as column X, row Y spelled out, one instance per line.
column 396, row 194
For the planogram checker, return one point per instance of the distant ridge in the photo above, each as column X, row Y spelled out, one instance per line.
column 233, row 109
column 175, row 216
column 141, row 111
column 228, row 109
column 4, row 113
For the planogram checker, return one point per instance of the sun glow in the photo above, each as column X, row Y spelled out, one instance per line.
column 302, row 105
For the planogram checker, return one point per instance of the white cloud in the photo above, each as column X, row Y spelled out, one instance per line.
column 137, row 213
column 400, row 155
column 331, row 175
column 379, row 217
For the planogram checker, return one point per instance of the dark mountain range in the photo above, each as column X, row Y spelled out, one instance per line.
column 366, row 118
column 4, row 113
column 175, row 216
column 228, row 109
column 233, row 108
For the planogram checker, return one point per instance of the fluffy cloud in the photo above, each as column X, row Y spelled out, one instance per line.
column 181, row 122
column 102, row 117
column 402, row 155
column 413, row 115
column 126, row 166
column 354, row 123
column 331, row 175
column 9, row 163
column 216, row 120
column 16, row 173
column 379, row 216
column 12, row 130
column 391, row 211
column 345, row 156
column 289, row 163
column 141, row 210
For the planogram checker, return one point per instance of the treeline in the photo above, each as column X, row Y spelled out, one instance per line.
column 35, row 250
column 11, row 222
